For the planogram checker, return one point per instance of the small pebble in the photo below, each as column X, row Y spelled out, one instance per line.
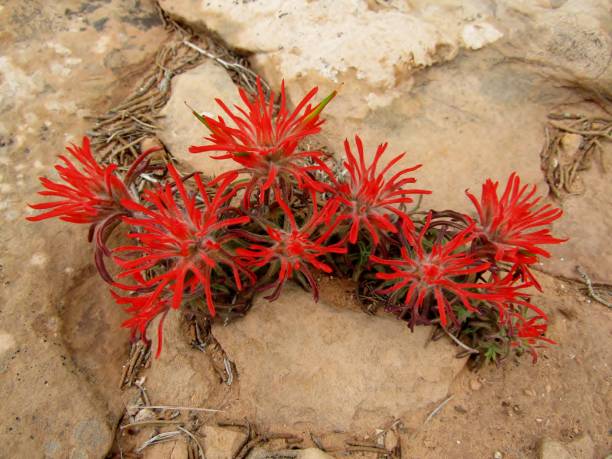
column 475, row 384
column 539, row 419
column 498, row 455
column 530, row 392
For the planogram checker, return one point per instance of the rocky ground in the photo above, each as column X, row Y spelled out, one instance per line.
column 463, row 87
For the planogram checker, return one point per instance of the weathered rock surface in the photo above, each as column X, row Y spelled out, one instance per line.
column 586, row 222
column 380, row 45
column 550, row 449
column 181, row 375
column 169, row 450
column 581, row 448
column 221, row 443
column 58, row 375
column 199, row 87
column 302, row 362
column 568, row 40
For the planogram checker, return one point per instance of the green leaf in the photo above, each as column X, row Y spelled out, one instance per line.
column 198, row 116
column 463, row 314
column 319, row 108
column 492, row 352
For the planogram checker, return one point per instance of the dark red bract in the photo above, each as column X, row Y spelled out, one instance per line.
column 365, row 197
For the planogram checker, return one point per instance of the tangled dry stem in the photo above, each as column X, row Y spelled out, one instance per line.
column 561, row 167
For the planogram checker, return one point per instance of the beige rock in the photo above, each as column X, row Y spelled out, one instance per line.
column 370, row 51
column 551, row 449
column 181, row 375
column 571, row 41
column 301, row 362
column 582, row 448
column 313, row 453
column 336, row 37
column 586, row 223
column 170, row 450
column 220, row 443
column 198, row 87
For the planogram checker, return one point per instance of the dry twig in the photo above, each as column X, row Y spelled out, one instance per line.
column 171, row 407
column 590, row 289
column 438, row 408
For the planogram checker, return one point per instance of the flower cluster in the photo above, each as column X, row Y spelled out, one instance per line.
column 290, row 213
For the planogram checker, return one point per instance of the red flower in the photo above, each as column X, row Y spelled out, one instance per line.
column 87, row 196
column 511, row 296
column 92, row 194
column 182, row 239
column 291, row 248
column 264, row 142
column 366, row 198
column 506, row 222
column 528, row 333
column 437, row 274
column 143, row 310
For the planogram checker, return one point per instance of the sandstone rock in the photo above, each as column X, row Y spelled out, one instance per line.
column 570, row 42
column 334, row 37
column 301, row 362
column 220, row 443
column 198, row 87
column 582, row 447
column 586, row 223
column 551, row 449
column 181, row 375
column 170, row 450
